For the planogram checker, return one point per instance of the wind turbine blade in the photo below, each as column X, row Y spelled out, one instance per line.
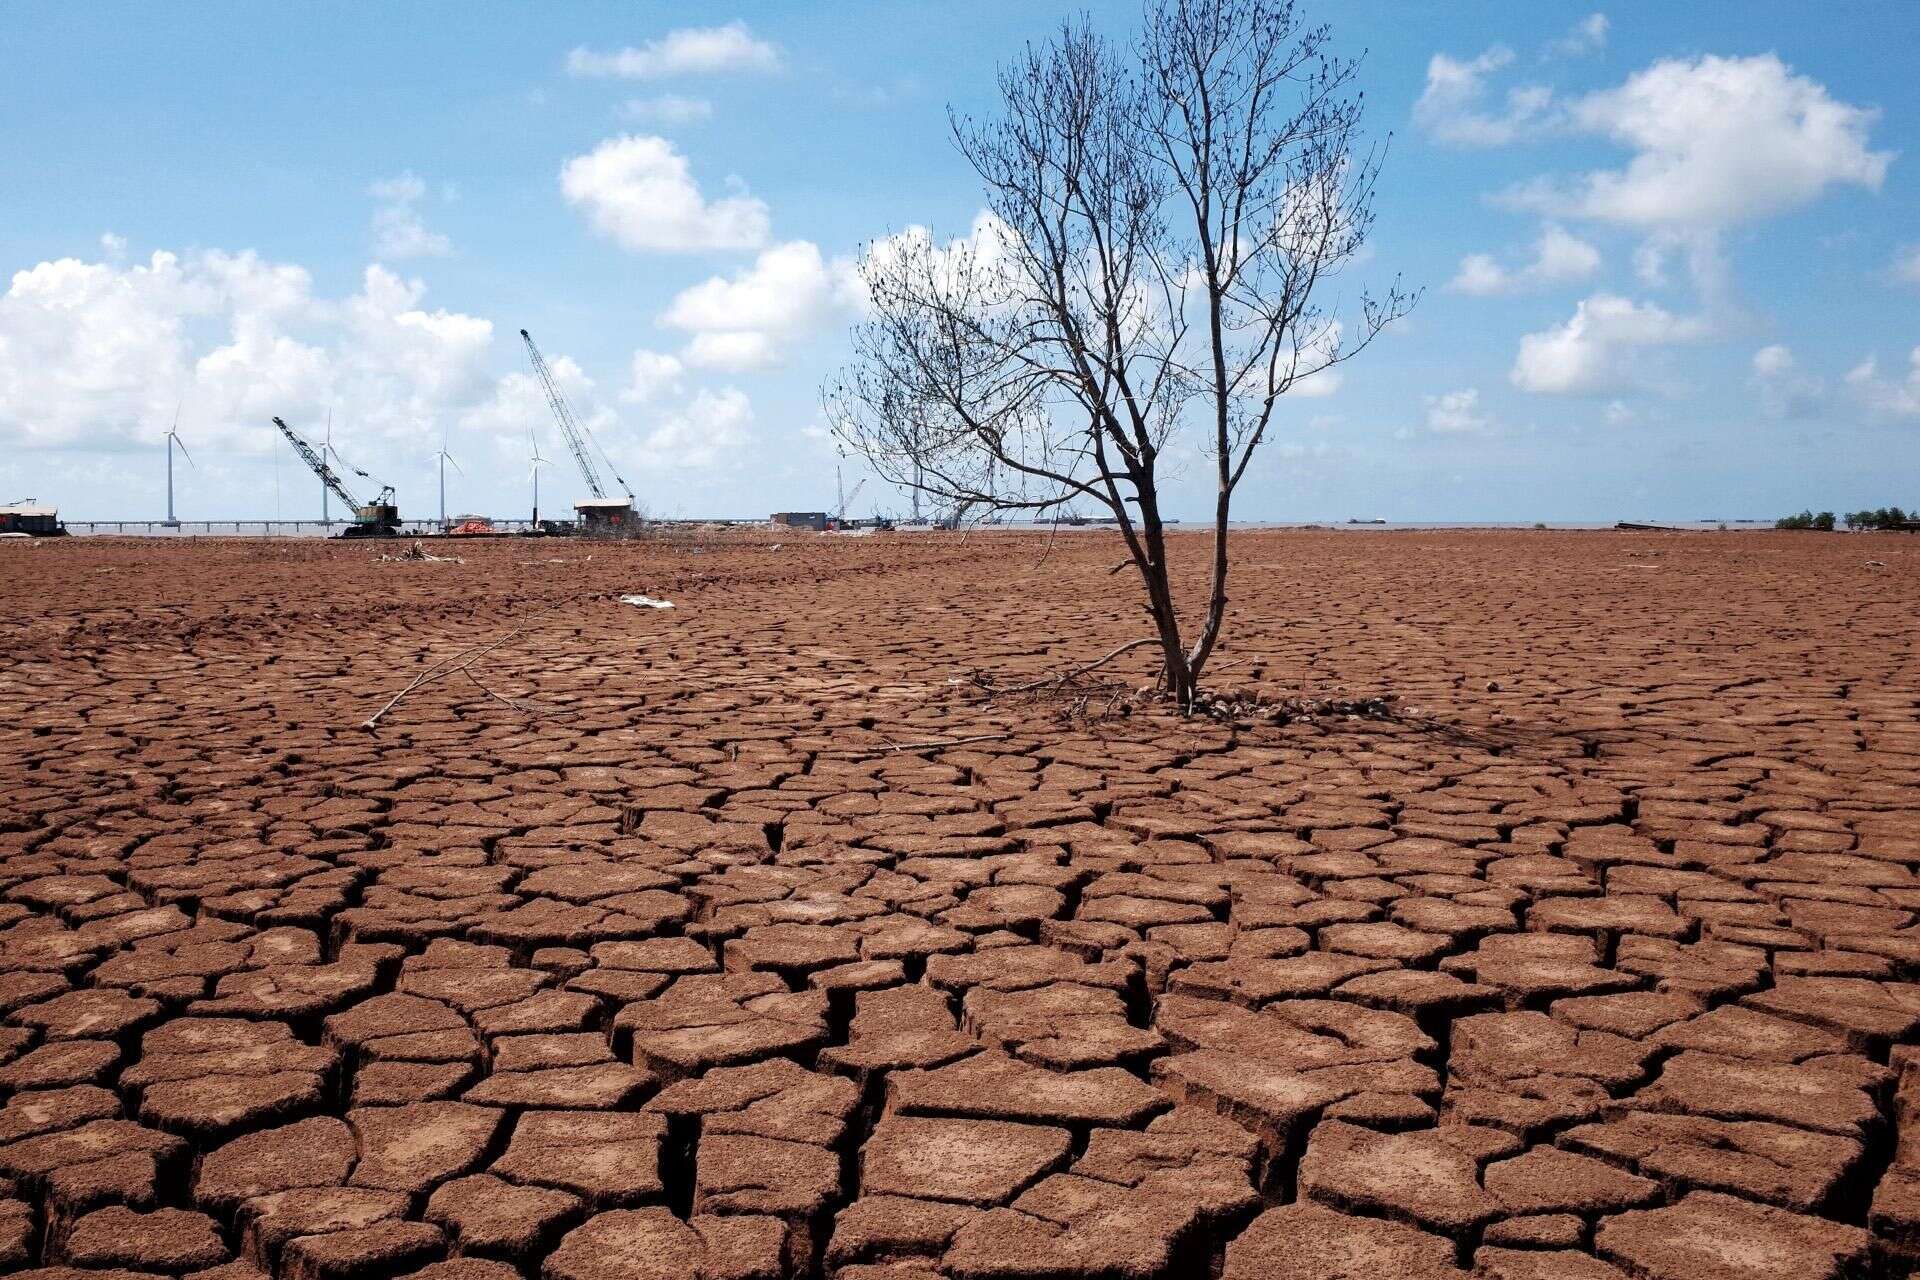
column 456, row 466
column 183, row 451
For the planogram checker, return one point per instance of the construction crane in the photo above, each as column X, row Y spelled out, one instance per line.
column 379, row 518
column 577, row 437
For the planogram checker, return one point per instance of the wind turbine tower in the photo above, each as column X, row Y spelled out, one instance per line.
column 533, row 470
column 173, row 440
column 445, row 458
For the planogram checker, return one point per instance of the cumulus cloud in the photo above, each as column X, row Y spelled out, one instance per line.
column 651, row 374
column 97, row 355
column 707, row 430
column 1559, row 257
column 744, row 321
column 1602, row 349
column 1589, row 35
column 1452, row 108
column 639, row 191
column 1716, row 141
column 1785, row 390
column 667, row 109
column 688, row 51
column 1883, row 396
column 399, row 232
column 1457, row 413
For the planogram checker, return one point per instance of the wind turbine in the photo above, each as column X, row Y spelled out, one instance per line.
column 445, row 458
column 533, row 471
column 173, row 439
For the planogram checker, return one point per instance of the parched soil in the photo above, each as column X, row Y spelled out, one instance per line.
column 749, row 939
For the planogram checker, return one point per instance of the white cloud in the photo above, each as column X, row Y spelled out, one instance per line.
column 1785, row 391
column 667, row 109
column 744, row 321
column 1716, row 141
column 97, row 356
column 1450, row 109
column 1457, row 413
column 398, row 231
column 706, row 431
column 1906, row 264
column 1589, row 35
column 652, row 374
column 638, row 191
column 1602, row 349
column 688, row 51
column 1559, row 257
column 1885, row 397
column 983, row 252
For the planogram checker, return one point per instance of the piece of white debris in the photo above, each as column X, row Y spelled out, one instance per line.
column 646, row 602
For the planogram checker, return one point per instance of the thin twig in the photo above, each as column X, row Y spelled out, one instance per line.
column 1118, row 567
column 438, row 669
column 1049, row 549
column 941, row 742
column 525, row 709
column 1074, row 674
column 895, row 747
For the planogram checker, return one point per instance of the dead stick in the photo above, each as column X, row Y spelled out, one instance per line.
column 524, row 709
column 1078, row 671
column 943, row 742
column 1049, row 549
column 437, row 669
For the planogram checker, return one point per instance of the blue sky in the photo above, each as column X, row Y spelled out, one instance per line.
column 1671, row 255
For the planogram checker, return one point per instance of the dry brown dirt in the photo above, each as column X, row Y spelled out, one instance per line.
column 675, row 943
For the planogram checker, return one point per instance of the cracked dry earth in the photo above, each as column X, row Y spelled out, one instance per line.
column 1601, row 966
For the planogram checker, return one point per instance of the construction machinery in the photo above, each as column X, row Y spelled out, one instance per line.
column 377, row 519
column 603, row 513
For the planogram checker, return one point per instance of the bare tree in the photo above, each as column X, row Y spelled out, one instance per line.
column 1162, row 223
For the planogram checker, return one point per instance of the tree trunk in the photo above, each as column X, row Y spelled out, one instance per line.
column 1178, row 671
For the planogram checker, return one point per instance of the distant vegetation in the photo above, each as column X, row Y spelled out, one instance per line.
column 1883, row 518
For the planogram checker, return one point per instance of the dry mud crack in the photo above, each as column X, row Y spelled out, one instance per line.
column 1604, row 965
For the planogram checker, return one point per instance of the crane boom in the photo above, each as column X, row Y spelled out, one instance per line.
column 576, row 435
column 318, row 465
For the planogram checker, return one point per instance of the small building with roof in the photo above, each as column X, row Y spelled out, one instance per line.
column 31, row 518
